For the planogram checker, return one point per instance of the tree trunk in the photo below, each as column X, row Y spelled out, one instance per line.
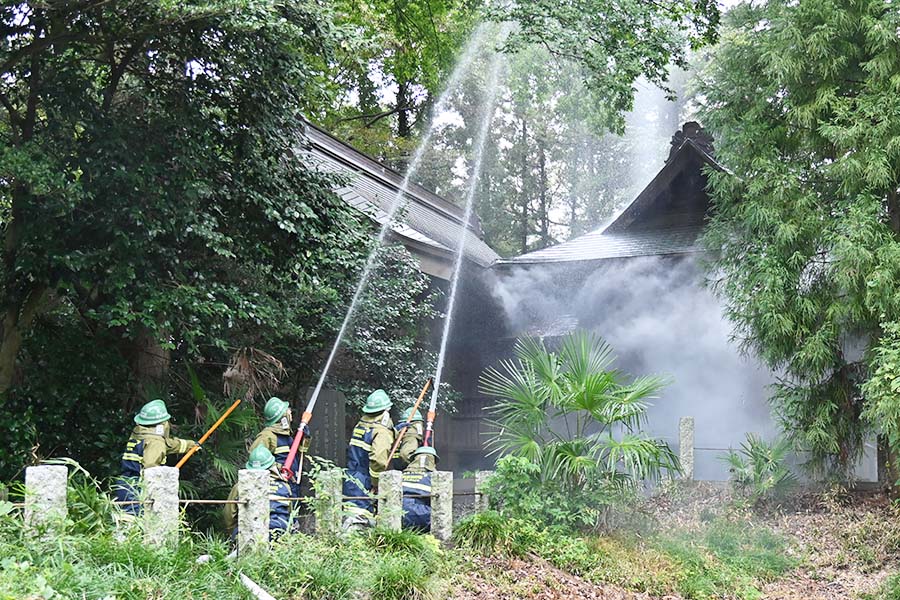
column 523, row 194
column 149, row 363
column 403, row 126
column 16, row 322
column 893, row 209
column 544, row 214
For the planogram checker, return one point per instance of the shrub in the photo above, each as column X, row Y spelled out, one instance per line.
column 759, row 471
column 485, row 533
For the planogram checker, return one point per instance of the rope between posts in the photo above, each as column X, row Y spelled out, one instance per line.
column 221, row 502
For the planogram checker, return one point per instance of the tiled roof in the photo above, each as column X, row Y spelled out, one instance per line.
column 372, row 187
column 624, row 237
column 599, row 245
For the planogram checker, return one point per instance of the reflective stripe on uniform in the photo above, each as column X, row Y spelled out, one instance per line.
column 361, row 444
column 418, row 486
column 282, row 449
column 131, row 456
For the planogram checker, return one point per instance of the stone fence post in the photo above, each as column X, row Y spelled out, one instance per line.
column 253, row 511
column 390, row 500
column 686, row 447
column 442, row 505
column 45, row 496
column 482, row 502
column 161, row 513
column 329, row 494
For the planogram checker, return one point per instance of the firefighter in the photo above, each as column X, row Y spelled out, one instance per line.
column 277, row 437
column 261, row 459
column 412, row 428
column 416, row 482
column 149, row 445
column 368, row 456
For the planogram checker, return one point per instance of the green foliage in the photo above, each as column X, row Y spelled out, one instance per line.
column 408, row 46
column 803, row 101
column 153, row 183
column 759, row 471
column 613, row 42
column 68, row 400
column 559, row 410
column 890, row 590
column 518, row 491
column 724, row 560
column 388, row 346
column 486, row 532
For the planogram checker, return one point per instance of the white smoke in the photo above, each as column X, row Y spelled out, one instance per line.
column 659, row 319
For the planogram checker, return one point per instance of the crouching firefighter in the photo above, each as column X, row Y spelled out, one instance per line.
column 277, row 436
column 416, row 484
column 368, row 456
column 261, row 459
column 149, row 445
column 411, row 428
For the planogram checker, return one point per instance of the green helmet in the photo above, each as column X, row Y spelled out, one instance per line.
column 377, row 402
column 260, row 459
column 417, row 416
column 152, row 413
column 426, row 450
column 274, row 410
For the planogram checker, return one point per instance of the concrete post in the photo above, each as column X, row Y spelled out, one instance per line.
column 329, row 495
column 482, row 502
column 686, row 447
column 390, row 500
column 442, row 505
column 45, row 496
column 253, row 511
column 161, row 514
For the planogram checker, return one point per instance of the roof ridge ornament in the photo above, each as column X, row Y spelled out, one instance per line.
column 693, row 131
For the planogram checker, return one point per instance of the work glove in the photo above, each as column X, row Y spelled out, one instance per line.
column 307, row 438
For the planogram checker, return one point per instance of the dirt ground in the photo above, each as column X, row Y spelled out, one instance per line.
column 847, row 544
column 514, row 579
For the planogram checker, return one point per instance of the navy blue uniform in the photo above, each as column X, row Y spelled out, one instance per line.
column 279, row 507
column 416, row 511
column 278, row 440
column 368, row 456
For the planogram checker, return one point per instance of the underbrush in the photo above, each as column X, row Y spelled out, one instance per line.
column 727, row 559
column 95, row 564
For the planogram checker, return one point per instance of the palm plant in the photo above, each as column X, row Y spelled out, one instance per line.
column 759, row 469
column 572, row 415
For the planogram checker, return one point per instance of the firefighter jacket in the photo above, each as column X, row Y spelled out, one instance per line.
column 279, row 506
column 368, row 456
column 277, row 440
column 148, row 446
column 411, row 440
column 416, row 511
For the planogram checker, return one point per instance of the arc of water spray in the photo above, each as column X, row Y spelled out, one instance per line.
column 462, row 65
column 487, row 115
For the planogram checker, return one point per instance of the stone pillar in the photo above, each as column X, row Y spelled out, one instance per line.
column 482, row 502
column 686, row 447
column 390, row 500
column 161, row 513
column 253, row 511
column 442, row 505
column 329, row 501
column 45, row 496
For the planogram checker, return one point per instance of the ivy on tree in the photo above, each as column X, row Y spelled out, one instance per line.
column 152, row 175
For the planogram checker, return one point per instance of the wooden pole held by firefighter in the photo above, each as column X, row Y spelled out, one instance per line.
column 206, row 435
column 411, row 413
